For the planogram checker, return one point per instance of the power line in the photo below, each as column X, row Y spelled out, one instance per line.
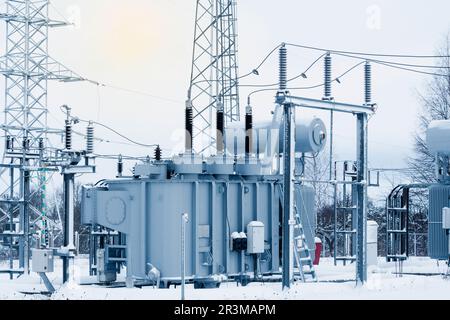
column 366, row 53
column 309, row 87
column 253, row 72
column 394, row 62
column 412, row 70
column 115, row 157
column 141, row 93
column 59, row 13
column 102, row 139
column 113, row 130
column 118, row 133
column 84, row 135
column 262, row 62
column 302, row 74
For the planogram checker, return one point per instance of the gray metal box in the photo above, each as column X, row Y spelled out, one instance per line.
column 42, row 260
column 255, row 237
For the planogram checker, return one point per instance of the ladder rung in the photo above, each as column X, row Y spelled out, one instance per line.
column 117, row 246
column 396, row 231
column 117, row 259
column 395, row 256
column 104, row 233
column 397, row 209
column 309, row 272
column 346, row 231
column 349, row 258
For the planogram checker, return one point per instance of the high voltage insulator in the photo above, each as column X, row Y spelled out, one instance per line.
column 90, row 138
column 327, row 76
column 248, row 130
column 8, row 143
column 68, row 137
column 220, row 126
column 41, row 144
column 283, row 68
column 188, row 127
column 26, row 143
column 158, row 153
column 368, row 82
column 119, row 166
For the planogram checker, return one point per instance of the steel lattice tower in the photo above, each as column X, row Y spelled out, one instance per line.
column 27, row 67
column 214, row 76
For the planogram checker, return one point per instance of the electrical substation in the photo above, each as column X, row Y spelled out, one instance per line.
column 234, row 206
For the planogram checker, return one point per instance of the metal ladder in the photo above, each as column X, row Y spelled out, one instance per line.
column 301, row 251
column 302, row 255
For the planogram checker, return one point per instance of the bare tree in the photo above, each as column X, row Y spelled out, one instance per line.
column 435, row 102
column 435, row 106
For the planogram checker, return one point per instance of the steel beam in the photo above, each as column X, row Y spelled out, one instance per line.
column 330, row 105
column 69, row 186
column 361, row 190
column 288, row 197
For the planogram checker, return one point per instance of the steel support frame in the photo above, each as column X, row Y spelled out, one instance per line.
column 27, row 67
column 361, row 190
column 361, row 112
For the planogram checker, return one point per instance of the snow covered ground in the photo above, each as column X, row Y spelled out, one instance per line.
column 335, row 282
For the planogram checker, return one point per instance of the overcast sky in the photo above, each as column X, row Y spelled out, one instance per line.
column 146, row 45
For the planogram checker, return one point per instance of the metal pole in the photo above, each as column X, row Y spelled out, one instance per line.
column 415, row 244
column 331, row 143
column 288, row 207
column 335, row 224
column 22, row 218
column 26, row 221
column 184, row 221
column 11, row 219
column 361, row 262
column 69, row 186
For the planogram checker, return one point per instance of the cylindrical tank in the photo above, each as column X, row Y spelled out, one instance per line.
column 437, row 136
column 311, row 136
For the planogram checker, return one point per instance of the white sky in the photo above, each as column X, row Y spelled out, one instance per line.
column 146, row 45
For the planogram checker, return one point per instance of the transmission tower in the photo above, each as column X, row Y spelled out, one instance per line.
column 27, row 67
column 214, row 76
